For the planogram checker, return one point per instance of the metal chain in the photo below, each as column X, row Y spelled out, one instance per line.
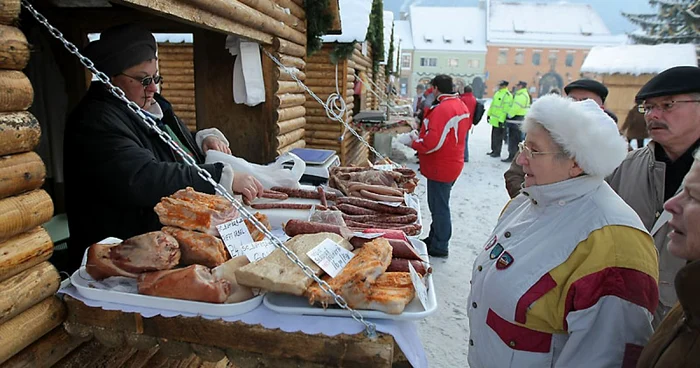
column 328, row 109
column 370, row 328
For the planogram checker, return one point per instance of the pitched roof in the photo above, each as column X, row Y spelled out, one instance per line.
column 448, row 28
column 402, row 32
column 354, row 20
column 388, row 22
column 638, row 59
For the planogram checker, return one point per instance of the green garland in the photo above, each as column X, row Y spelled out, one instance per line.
column 389, row 67
column 318, row 21
column 375, row 35
column 342, row 51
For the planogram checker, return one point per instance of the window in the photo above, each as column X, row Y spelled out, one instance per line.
column 519, row 57
column 428, row 61
column 553, row 57
column 570, row 58
column 406, row 61
column 536, row 55
column 473, row 63
column 453, row 63
column 502, row 57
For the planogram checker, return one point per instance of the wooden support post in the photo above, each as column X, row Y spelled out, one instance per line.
column 21, row 173
column 26, row 289
column 24, row 251
column 23, row 212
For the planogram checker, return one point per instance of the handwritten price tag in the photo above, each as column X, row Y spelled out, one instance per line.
column 330, row 256
column 390, row 204
column 234, row 234
column 421, row 290
column 258, row 250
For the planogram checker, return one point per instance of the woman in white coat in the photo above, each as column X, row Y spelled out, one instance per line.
column 568, row 278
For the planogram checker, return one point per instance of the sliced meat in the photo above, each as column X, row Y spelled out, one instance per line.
column 198, row 248
column 195, row 282
column 190, row 215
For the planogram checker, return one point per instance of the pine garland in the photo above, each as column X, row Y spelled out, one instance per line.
column 318, row 21
column 375, row 35
column 388, row 69
column 673, row 23
column 342, row 51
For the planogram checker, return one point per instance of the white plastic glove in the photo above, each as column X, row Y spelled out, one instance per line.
column 414, row 135
column 405, row 138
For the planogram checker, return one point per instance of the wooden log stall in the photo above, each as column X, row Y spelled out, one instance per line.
column 291, row 137
column 289, row 125
column 282, row 75
column 288, row 87
column 26, row 289
column 16, row 92
column 24, row 251
column 289, row 48
column 46, row 351
column 23, row 212
column 14, row 48
column 29, row 326
column 21, row 173
column 9, row 11
column 289, row 100
column 298, row 144
column 273, row 10
column 290, row 113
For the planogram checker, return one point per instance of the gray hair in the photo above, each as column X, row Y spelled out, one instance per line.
column 563, row 153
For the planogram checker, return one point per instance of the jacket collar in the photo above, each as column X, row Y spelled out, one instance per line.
column 686, row 282
column 446, row 96
column 562, row 192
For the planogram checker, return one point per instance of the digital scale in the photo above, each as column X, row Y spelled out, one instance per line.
column 318, row 163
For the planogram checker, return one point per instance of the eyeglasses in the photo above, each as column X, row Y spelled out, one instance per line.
column 530, row 154
column 147, row 80
column 664, row 106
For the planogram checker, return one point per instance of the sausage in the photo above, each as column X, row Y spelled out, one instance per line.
column 295, row 227
column 373, row 205
column 401, row 265
column 380, row 197
column 289, row 206
column 303, row 193
column 273, row 194
column 322, row 196
column 354, row 186
column 355, row 210
column 403, row 249
column 410, row 230
column 388, row 234
column 382, row 218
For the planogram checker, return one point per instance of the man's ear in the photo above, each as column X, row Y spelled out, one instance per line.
column 575, row 170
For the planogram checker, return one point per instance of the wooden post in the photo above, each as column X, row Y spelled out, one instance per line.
column 21, row 173
column 24, row 251
column 23, row 212
column 9, row 11
column 35, row 322
column 14, row 48
column 16, row 92
column 26, row 289
column 19, row 132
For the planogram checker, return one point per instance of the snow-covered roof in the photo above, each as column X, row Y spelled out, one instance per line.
column 388, row 22
column 448, row 28
column 354, row 20
column 160, row 37
column 402, row 31
column 638, row 59
column 558, row 23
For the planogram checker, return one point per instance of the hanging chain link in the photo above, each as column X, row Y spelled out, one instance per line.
column 370, row 328
column 329, row 112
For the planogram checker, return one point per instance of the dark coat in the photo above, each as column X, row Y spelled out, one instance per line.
column 117, row 170
column 634, row 126
column 676, row 343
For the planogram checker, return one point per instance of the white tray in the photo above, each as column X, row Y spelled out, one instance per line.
column 292, row 304
column 91, row 289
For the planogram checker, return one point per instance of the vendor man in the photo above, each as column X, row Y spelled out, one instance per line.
column 116, row 168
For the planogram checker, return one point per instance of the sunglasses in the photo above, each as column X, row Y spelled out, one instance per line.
column 147, row 80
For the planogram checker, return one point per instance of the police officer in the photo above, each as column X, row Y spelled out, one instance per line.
column 516, row 114
column 496, row 116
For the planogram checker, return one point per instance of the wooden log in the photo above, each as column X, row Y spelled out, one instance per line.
column 179, row 93
column 290, row 125
column 16, row 92
column 176, row 71
column 32, row 324
column 320, row 67
column 322, row 142
column 21, row 173
column 26, row 289
column 290, row 113
column 174, row 349
column 176, row 63
column 175, row 49
column 289, row 100
column 298, row 144
column 9, row 11
column 275, row 11
column 289, row 138
column 334, row 127
column 179, row 78
column 23, row 212
column 321, row 134
column 83, row 355
column 288, row 87
column 320, row 146
column 295, row 8
column 109, row 337
column 245, row 15
column 319, row 120
column 166, row 57
column 289, row 48
column 208, row 353
column 46, row 351
column 292, row 61
column 282, row 75
column 178, row 100
column 181, row 86
column 14, row 48
column 326, row 82
column 24, row 251
column 187, row 115
column 184, row 107
column 319, row 74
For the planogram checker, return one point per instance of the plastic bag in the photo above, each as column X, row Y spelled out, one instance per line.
column 271, row 175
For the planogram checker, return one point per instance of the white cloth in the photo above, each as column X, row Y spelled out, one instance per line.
column 248, row 82
column 405, row 333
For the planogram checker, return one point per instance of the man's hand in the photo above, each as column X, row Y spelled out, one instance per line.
column 405, row 138
column 215, row 144
column 247, row 185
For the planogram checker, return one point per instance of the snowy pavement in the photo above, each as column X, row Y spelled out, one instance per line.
column 477, row 199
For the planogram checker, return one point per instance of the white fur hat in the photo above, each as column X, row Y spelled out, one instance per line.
column 583, row 130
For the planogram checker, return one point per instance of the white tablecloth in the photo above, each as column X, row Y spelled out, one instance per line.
column 404, row 332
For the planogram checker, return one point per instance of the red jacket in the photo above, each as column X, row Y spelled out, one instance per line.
column 470, row 101
column 440, row 144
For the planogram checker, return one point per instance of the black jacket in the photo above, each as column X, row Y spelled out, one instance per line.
column 117, row 170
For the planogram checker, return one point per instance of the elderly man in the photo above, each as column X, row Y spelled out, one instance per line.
column 116, row 169
column 579, row 90
column 651, row 175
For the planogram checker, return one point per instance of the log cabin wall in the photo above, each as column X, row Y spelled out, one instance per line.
column 28, row 307
column 176, row 65
column 290, row 113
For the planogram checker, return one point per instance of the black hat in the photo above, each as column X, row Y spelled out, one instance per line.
column 674, row 81
column 121, row 47
column 588, row 85
column 503, row 83
column 522, row 83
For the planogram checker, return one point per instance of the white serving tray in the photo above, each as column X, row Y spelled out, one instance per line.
column 292, row 304
column 95, row 290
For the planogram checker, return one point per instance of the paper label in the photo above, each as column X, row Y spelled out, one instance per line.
column 330, row 256
column 367, row 235
column 257, row 250
column 384, row 167
column 234, row 234
column 421, row 290
column 391, row 204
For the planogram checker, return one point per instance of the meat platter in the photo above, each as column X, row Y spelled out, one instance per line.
column 292, row 304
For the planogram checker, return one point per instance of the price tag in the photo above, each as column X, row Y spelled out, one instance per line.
column 421, row 290
column 367, row 235
column 234, row 234
column 330, row 256
column 257, row 250
column 384, row 167
column 391, row 204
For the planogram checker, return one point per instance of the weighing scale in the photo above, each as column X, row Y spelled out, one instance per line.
column 318, row 162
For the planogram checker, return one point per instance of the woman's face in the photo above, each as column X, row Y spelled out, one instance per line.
column 545, row 166
column 685, row 223
column 130, row 82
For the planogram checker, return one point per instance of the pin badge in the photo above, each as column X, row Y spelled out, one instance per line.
column 491, row 242
column 505, row 261
column 496, row 251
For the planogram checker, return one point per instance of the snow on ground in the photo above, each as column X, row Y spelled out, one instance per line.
column 477, row 199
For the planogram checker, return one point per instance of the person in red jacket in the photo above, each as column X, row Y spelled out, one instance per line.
column 440, row 146
column 470, row 101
